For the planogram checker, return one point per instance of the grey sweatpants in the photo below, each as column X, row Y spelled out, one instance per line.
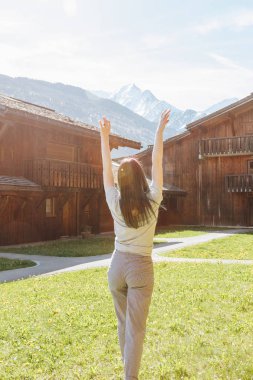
column 131, row 282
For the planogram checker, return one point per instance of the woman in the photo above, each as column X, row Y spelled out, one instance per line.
column 134, row 208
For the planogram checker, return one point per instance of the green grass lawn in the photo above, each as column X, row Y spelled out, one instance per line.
column 238, row 246
column 97, row 245
column 181, row 232
column 68, row 248
column 200, row 326
column 7, row 264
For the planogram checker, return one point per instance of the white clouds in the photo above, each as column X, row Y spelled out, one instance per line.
column 68, row 41
column 155, row 41
column 198, row 88
column 224, row 61
column 10, row 23
column 243, row 19
column 73, row 60
column 70, row 7
column 229, row 64
column 238, row 20
column 209, row 26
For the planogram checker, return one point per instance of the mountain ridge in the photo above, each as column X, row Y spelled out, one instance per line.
column 134, row 113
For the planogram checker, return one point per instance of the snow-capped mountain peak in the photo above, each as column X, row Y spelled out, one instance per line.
column 143, row 103
column 146, row 94
column 132, row 87
column 127, row 96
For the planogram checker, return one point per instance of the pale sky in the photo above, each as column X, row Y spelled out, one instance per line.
column 191, row 53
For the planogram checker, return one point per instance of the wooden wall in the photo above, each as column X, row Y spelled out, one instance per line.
column 21, row 140
column 207, row 201
column 24, row 219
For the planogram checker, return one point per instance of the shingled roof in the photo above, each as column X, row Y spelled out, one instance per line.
column 14, row 104
column 17, row 183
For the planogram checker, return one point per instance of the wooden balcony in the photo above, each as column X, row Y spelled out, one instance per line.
column 64, row 174
column 227, row 146
column 240, row 183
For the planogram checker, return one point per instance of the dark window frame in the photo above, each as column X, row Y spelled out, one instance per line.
column 50, row 211
column 250, row 166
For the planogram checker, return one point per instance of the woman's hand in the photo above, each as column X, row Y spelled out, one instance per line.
column 105, row 126
column 164, row 119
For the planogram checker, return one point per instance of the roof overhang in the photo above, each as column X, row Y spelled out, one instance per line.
column 223, row 113
column 174, row 190
column 11, row 107
column 9, row 183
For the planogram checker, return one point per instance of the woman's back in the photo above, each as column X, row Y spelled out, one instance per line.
column 128, row 239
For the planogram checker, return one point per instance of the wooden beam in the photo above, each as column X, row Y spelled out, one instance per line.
column 19, row 208
column 77, row 200
column 84, row 204
column 232, row 121
column 3, row 129
column 99, row 204
column 4, row 204
column 63, row 199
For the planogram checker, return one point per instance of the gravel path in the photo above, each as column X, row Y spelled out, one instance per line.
column 50, row 265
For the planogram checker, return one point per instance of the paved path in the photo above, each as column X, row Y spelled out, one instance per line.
column 49, row 265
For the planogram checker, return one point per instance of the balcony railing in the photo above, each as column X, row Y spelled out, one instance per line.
column 240, row 183
column 227, row 146
column 53, row 173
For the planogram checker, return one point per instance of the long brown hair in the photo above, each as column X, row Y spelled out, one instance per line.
column 135, row 206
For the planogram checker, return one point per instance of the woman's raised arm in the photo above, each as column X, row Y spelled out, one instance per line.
column 105, row 127
column 157, row 154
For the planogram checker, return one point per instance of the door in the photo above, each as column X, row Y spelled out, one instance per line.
column 250, row 215
column 66, row 219
column 69, row 213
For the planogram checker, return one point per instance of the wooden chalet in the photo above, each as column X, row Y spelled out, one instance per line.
column 50, row 174
column 213, row 163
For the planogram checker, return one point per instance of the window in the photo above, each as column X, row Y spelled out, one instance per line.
column 173, row 203
column 250, row 167
column 50, row 207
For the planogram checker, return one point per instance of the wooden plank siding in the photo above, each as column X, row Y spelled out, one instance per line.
column 209, row 194
column 65, row 160
column 23, row 216
column 54, row 173
column 212, row 162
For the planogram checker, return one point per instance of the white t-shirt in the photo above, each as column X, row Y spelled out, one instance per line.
column 128, row 239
